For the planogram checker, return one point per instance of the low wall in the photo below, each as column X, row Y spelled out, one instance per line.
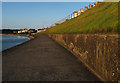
column 99, row 52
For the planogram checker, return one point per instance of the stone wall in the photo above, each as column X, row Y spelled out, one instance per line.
column 99, row 52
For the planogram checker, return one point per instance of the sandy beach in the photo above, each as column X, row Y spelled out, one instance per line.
column 42, row 59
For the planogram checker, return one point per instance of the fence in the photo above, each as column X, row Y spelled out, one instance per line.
column 74, row 14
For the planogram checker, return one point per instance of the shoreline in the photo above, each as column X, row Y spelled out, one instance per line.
column 18, row 44
column 25, row 35
column 15, row 34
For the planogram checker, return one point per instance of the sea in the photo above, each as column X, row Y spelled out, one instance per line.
column 8, row 41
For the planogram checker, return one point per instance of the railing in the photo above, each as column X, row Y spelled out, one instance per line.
column 68, row 17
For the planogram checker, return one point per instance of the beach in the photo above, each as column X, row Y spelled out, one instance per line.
column 42, row 59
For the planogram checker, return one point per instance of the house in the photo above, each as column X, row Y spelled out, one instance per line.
column 86, row 8
column 95, row 4
column 41, row 30
column 15, row 31
column 75, row 14
column 90, row 5
column 81, row 10
column 20, row 31
column 24, row 30
column 32, row 31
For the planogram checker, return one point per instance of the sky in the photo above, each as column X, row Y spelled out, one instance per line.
column 20, row 15
column 49, row 0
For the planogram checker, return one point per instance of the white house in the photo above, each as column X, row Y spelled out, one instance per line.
column 79, row 12
column 41, row 30
column 94, row 5
column 20, row 31
column 25, row 30
column 75, row 14
column 90, row 6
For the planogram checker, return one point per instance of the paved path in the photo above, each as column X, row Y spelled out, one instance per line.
column 42, row 59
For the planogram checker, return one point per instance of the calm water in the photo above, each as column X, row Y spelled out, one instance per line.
column 8, row 41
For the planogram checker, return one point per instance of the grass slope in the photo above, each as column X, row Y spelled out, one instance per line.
column 100, row 19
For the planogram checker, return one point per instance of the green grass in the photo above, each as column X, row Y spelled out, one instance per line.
column 100, row 19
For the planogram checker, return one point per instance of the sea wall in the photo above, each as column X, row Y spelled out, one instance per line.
column 99, row 52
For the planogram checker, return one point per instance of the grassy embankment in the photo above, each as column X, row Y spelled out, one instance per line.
column 101, row 19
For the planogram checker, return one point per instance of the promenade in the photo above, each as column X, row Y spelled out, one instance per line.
column 42, row 59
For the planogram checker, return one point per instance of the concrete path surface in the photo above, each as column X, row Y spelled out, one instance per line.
column 42, row 59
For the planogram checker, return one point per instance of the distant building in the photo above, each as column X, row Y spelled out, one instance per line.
column 24, row 30
column 75, row 14
column 20, row 31
column 15, row 31
column 90, row 5
column 32, row 31
column 81, row 10
column 41, row 30
column 94, row 5
column 86, row 8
